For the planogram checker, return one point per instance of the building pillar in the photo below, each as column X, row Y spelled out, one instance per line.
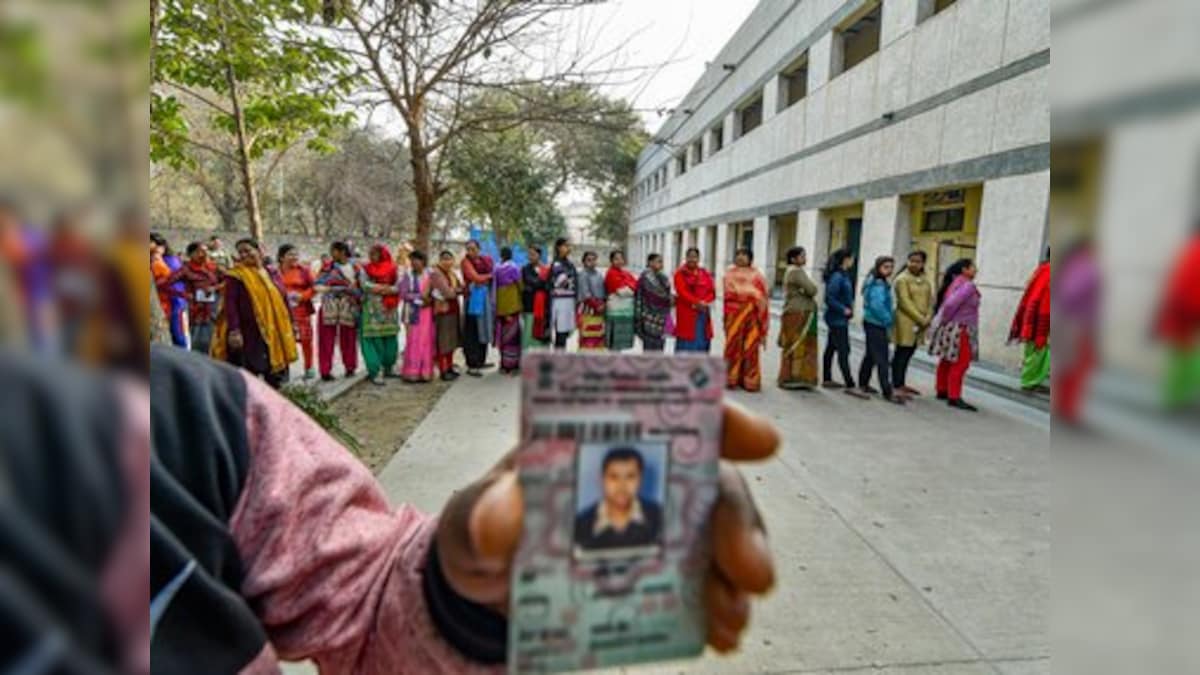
column 768, row 265
column 762, row 237
column 722, row 256
column 770, row 97
column 821, row 57
column 668, row 250
column 886, row 230
column 702, row 243
column 730, row 126
column 1008, row 249
column 900, row 17
column 807, row 228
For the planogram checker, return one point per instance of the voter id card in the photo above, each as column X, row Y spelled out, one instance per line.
column 618, row 467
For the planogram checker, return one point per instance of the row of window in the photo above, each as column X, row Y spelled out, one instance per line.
column 853, row 43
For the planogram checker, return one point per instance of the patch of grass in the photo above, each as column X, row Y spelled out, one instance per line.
column 307, row 398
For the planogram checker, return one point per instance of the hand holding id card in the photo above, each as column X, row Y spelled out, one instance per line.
column 618, row 469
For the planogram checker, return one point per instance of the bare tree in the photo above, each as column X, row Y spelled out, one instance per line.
column 424, row 60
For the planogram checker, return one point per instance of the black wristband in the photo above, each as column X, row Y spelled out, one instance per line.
column 477, row 632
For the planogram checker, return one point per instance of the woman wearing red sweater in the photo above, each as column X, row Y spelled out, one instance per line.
column 693, row 312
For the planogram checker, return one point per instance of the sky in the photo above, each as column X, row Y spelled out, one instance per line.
column 672, row 39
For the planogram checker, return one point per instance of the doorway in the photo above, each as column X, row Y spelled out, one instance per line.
column 846, row 232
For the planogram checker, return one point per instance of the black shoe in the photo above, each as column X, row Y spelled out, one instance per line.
column 961, row 404
column 943, row 396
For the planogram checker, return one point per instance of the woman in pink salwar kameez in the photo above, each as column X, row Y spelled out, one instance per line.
column 418, row 319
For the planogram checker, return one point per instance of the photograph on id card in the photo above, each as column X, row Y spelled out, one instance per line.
column 618, row 468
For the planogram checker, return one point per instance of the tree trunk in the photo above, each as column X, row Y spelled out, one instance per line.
column 244, row 164
column 423, row 187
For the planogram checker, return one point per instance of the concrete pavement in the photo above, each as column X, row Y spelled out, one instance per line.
column 908, row 540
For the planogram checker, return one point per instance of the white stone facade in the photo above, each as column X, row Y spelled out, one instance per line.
column 954, row 97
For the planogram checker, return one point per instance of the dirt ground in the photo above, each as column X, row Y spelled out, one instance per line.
column 382, row 418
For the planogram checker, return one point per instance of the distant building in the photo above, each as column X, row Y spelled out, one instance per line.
column 578, row 214
column 882, row 126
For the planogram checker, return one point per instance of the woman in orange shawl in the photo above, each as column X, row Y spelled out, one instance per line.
column 254, row 330
column 747, row 320
column 299, row 285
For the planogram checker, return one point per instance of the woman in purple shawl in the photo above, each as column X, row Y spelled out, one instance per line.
column 507, row 282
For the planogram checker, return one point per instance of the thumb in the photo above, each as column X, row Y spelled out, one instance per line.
column 494, row 526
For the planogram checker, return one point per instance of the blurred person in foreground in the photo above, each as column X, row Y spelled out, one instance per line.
column 23, row 250
column 254, row 330
column 77, row 275
column 1075, row 291
column 1178, row 325
column 268, row 540
column 1031, row 327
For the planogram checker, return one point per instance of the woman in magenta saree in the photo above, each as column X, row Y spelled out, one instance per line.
column 418, row 321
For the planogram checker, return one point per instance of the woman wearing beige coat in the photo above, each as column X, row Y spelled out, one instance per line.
column 914, row 312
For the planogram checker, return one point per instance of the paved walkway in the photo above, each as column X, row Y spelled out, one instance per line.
column 908, row 540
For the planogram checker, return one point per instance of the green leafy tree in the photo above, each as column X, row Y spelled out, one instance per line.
column 503, row 183
column 508, row 172
column 429, row 60
column 263, row 79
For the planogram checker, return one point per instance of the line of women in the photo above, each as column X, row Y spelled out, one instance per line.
column 904, row 312
column 265, row 321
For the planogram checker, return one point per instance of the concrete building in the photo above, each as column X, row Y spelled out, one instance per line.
column 882, row 125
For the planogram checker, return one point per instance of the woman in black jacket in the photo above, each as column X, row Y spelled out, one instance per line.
column 535, row 301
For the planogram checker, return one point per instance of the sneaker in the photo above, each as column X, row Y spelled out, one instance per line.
column 961, row 405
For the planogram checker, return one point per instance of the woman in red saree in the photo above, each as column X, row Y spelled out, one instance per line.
column 747, row 320
column 693, row 311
